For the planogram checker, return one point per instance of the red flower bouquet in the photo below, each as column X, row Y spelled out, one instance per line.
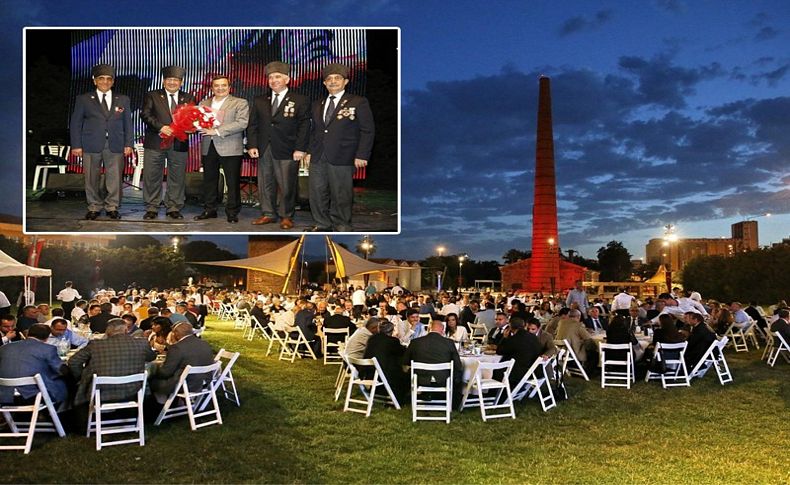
column 187, row 118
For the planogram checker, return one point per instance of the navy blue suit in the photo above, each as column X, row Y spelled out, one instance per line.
column 27, row 358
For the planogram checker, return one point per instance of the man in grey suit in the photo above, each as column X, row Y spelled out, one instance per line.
column 188, row 350
column 340, row 143
column 29, row 357
column 101, row 130
column 223, row 145
column 119, row 354
column 158, row 108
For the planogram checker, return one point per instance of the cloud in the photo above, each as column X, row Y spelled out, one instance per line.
column 581, row 23
column 766, row 33
column 671, row 6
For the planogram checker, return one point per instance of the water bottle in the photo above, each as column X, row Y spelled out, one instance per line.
column 63, row 347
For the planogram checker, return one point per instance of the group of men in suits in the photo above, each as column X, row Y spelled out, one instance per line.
column 333, row 138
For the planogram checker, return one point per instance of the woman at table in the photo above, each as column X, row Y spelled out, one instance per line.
column 453, row 331
column 160, row 336
column 724, row 319
column 544, row 313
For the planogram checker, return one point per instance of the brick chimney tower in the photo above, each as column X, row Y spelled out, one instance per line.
column 545, row 262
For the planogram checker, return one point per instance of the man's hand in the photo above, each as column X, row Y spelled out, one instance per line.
column 77, row 152
column 10, row 335
column 359, row 163
column 127, row 151
column 210, row 132
column 298, row 155
column 253, row 152
column 166, row 130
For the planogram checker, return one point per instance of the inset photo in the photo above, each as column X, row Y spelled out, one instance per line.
column 211, row 130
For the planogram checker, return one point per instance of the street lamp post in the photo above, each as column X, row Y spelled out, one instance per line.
column 461, row 260
column 175, row 241
column 669, row 238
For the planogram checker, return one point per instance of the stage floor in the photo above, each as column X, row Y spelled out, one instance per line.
column 374, row 211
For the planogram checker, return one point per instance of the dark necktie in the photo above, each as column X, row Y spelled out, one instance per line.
column 173, row 102
column 596, row 325
column 104, row 102
column 330, row 110
column 275, row 103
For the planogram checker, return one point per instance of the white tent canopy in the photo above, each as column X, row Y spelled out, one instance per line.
column 11, row 267
column 348, row 264
column 277, row 262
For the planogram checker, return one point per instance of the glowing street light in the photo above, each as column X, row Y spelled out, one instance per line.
column 440, row 250
column 461, row 259
column 175, row 241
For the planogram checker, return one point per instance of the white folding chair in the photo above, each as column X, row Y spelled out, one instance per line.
column 616, row 377
column 42, row 170
column 781, row 348
column 193, row 400
column 751, row 333
column 225, row 379
column 577, row 369
column 431, row 406
column 537, row 382
column 478, row 332
column 367, row 387
column 769, row 344
column 139, row 165
column 344, row 373
column 274, row 338
column 738, row 340
column 27, row 429
column 257, row 328
column 331, row 353
column 97, row 409
column 674, row 358
column 474, row 393
column 713, row 357
column 243, row 321
column 292, row 347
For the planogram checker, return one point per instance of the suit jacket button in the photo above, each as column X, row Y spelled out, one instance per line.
column 326, row 131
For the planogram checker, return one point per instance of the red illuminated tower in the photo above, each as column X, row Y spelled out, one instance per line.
column 545, row 262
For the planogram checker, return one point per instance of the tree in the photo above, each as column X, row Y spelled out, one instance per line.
column 513, row 255
column 615, row 262
column 134, row 241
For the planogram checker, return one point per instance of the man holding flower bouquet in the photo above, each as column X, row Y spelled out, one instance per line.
column 160, row 144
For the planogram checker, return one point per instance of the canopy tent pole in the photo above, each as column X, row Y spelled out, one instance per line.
column 50, row 293
column 294, row 259
column 301, row 270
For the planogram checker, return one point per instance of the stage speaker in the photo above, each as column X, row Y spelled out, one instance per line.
column 68, row 182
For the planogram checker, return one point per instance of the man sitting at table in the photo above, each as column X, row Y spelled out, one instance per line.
column 28, row 319
column 60, row 331
column 434, row 348
column 416, row 328
column 27, row 358
column 339, row 321
column 389, row 352
column 551, row 327
column 699, row 340
column 98, row 322
column 595, row 321
column 8, row 329
column 520, row 346
column 188, row 350
column 117, row 355
column 496, row 334
column 358, row 342
column 545, row 339
column 572, row 329
column 304, row 321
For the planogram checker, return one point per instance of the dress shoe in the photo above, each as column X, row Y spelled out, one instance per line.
column 175, row 215
column 114, row 215
column 206, row 215
column 320, row 229
column 91, row 215
column 263, row 220
column 286, row 223
column 233, row 219
column 150, row 215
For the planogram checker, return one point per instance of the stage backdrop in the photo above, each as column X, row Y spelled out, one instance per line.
column 138, row 54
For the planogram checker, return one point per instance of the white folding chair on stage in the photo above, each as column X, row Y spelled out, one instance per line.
column 474, row 393
column 98, row 408
column 331, row 352
column 616, row 373
column 537, row 382
column 225, row 379
column 674, row 358
column 431, row 406
column 576, row 369
column 713, row 357
column 293, row 347
column 737, row 339
column 779, row 347
column 274, row 337
column 27, row 429
column 478, row 332
column 191, row 402
column 367, row 387
column 257, row 328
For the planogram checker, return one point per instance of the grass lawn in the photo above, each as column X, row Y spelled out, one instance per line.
column 290, row 430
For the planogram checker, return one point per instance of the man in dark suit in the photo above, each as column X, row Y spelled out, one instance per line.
column 101, row 130
column 496, row 334
column 389, row 353
column 304, row 320
column 341, row 141
column 699, row 340
column 781, row 325
column 338, row 320
column 223, row 146
column 29, row 357
column 188, row 350
column 520, row 346
column 434, row 348
column 117, row 355
column 8, row 329
column 277, row 136
column 98, row 322
column 28, row 318
column 157, row 113
column 595, row 320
